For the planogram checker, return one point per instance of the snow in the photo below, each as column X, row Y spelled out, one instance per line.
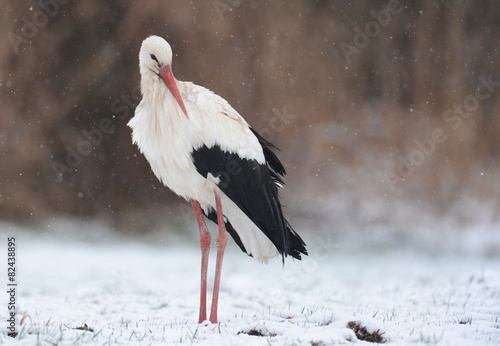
column 144, row 292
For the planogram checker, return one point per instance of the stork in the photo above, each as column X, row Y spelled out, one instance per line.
column 204, row 151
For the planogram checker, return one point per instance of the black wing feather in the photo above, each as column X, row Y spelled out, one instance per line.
column 275, row 166
column 252, row 187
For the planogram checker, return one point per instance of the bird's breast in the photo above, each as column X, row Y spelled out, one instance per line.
column 167, row 142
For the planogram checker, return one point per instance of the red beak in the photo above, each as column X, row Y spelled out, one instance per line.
column 168, row 77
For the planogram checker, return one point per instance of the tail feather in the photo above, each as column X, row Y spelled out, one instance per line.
column 297, row 245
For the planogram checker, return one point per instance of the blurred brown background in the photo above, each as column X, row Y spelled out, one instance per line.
column 385, row 112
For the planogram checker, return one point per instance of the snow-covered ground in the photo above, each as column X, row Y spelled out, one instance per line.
column 139, row 292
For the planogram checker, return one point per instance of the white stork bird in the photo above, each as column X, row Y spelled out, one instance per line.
column 204, row 151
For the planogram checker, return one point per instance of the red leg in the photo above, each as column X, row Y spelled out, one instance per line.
column 221, row 245
column 205, row 248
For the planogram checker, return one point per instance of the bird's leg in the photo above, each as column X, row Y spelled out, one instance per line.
column 221, row 245
column 205, row 248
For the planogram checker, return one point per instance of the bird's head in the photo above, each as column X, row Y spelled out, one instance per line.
column 156, row 57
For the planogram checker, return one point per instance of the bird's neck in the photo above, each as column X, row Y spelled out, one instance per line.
column 163, row 110
column 151, row 85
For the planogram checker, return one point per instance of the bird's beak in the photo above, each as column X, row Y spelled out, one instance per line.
column 168, row 77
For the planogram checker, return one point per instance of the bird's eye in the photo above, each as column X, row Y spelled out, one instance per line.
column 153, row 57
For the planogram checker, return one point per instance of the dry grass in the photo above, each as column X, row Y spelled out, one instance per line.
column 363, row 334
